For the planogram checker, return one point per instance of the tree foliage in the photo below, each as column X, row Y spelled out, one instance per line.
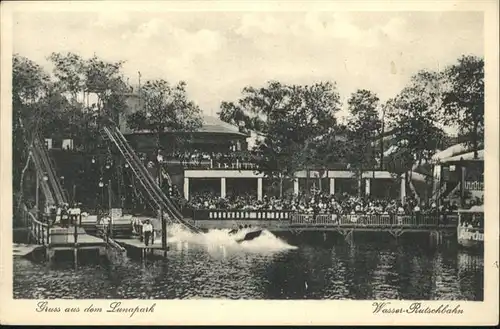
column 363, row 126
column 293, row 120
column 54, row 104
column 165, row 108
column 75, row 75
column 414, row 116
column 463, row 100
column 30, row 86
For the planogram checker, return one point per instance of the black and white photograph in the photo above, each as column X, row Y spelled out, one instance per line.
column 249, row 155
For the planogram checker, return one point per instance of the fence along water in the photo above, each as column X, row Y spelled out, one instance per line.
column 295, row 218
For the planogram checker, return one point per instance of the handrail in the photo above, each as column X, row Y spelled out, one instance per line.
column 176, row 212
column 153, row 190
column 59, row 186
column 134, row 169
column 44, row 184
column 47, row 168
column 39, row 230
column 36, row 221
column 138, row 169
column 45, row 164
column 40, row 158
column 174, row 209
column 115, row 245
column 51, row 166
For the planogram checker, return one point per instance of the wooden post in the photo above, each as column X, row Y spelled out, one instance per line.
column 42, row 233
column 75, row 248
column 37, row 193
column 26, row 223
column 462, row 183
column 162, row 218
column 47, row 249
column 35, row 227
column 110, row 214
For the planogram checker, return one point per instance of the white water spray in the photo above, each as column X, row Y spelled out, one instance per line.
column 220, row 238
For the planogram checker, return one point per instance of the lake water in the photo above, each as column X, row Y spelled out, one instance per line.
column 374, row 266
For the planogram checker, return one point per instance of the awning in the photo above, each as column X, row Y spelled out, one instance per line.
column 416, row 176
column 466, row 157
column 450, row 152
column 473, row 209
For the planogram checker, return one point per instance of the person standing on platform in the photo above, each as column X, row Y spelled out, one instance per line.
column 417, row 214
column 76, row 212
column 71, row 215
column 105, row 226
column 153, row 235
column 147, row 229
column 140, row 226
column 58, row 214
column 52, row 215
column 134, row 226
column 64, row 215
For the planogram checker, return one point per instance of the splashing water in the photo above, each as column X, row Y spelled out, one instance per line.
column 266, row 242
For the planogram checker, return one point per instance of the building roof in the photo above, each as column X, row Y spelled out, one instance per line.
column 211, row 125
column 450, row 151
column 465, row 157
column 215, row 125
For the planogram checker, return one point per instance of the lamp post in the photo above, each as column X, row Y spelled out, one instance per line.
column 101, row 185
column 46, row 179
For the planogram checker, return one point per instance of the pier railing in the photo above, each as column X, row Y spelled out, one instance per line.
column 43, row 233
column 39, row 231
column 225, row 214
column 211, row 164
column 344, row 220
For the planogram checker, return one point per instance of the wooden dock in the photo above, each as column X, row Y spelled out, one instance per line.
column 64, row 238
column 23, row 250
column 138, row 247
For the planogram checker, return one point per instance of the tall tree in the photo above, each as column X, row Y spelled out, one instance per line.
column 54, row 105
column 166, row 108
column 414, row 117
column 296, row 117
column 255, row 105
column 463, row 100
column 81, row 77
column 77, row 79
column 30, row 86
column 363, row 125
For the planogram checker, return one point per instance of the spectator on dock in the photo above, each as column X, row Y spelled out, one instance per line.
column 105, row 220
column 147, row 229
column 64, row 215
column 52, row 214
column 323, row 203
column 416, row 211
column 136, row 226
column 316, row 203
column 74, row 214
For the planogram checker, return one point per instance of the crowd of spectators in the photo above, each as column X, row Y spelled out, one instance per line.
column 319, row 203
column 212, row 160
column 472, row 221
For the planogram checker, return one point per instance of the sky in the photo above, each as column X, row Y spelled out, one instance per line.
column 219, row 53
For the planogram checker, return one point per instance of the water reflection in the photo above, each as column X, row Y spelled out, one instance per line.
column 365, row 269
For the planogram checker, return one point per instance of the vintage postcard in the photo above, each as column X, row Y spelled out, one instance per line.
column 249, row 162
